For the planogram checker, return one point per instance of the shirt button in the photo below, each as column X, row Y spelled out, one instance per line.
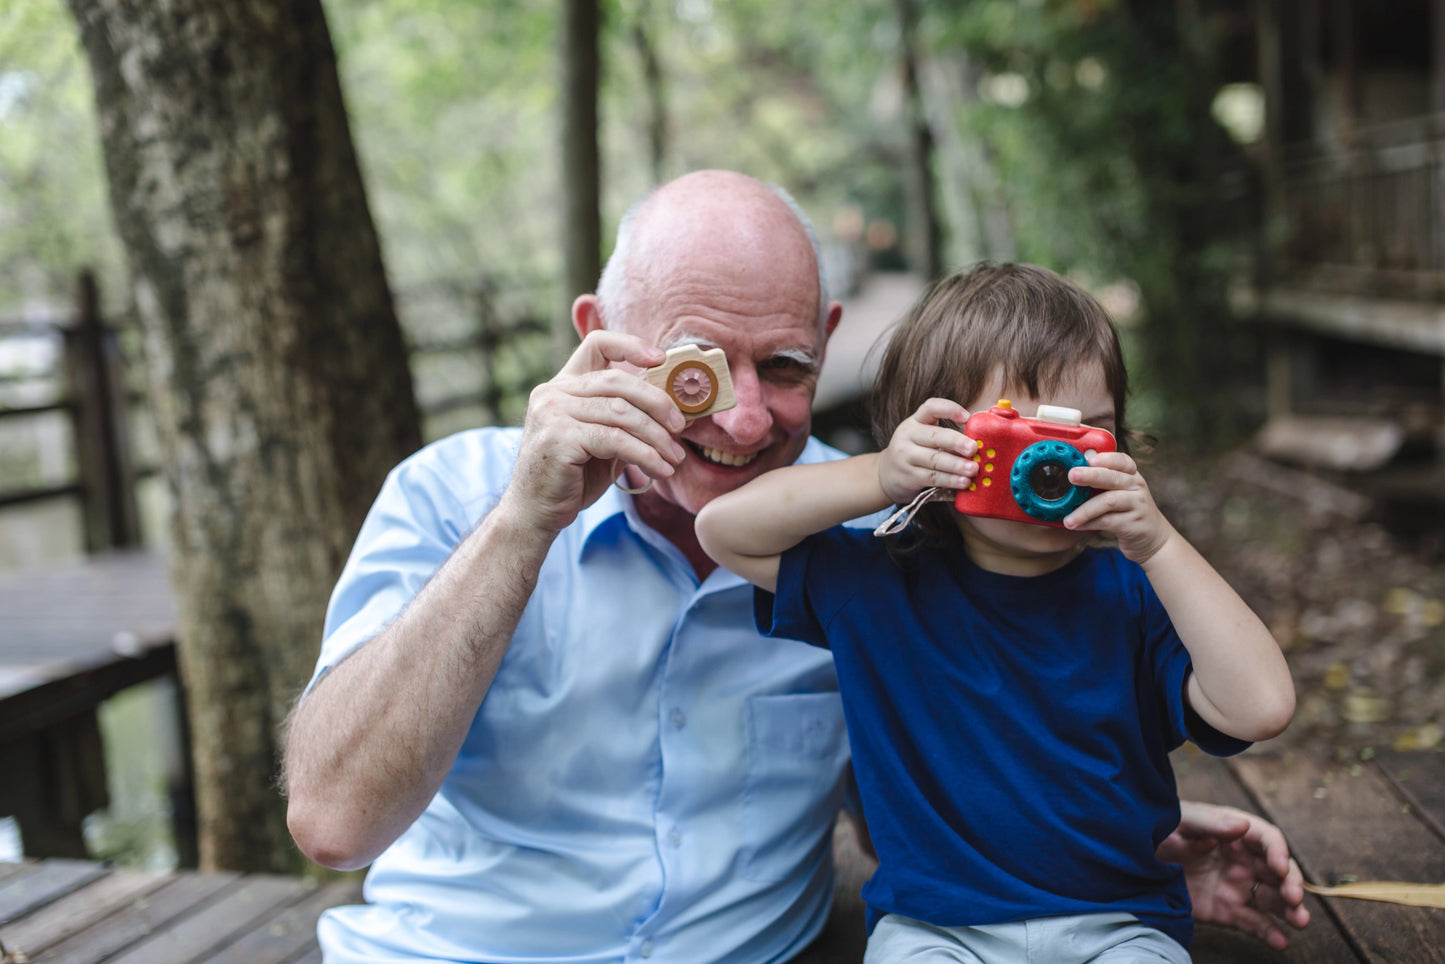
column 675, row 838
column 679, row 720
column 646, row 949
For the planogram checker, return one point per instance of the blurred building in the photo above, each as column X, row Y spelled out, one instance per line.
column 1347, row 214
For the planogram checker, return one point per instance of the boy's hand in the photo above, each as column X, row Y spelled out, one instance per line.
column 923, row 453
column 1121, row 505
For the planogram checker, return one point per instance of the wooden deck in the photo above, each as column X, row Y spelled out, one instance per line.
column 80, row 912
column 1379, row 820
column 1383, row 819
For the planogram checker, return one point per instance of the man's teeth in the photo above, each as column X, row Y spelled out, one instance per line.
column 726, row 458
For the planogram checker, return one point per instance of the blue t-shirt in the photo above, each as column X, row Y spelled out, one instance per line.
column 1010, row 735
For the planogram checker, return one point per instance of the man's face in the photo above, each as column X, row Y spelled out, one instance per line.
column 773, row 340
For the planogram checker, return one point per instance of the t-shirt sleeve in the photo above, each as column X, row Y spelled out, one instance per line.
column 815, row 577
column 1172, row 666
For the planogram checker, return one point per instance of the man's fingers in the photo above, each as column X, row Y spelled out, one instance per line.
column 622, row 391
column 601, row 348
column 1262, row 926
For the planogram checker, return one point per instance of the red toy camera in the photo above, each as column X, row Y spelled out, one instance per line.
column 1023, row 463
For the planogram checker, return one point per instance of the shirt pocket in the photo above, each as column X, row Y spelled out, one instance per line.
column 797, row 756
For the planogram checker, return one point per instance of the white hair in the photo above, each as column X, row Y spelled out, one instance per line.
column 615, row 288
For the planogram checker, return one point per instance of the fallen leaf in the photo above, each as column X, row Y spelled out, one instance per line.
column 1392, row 891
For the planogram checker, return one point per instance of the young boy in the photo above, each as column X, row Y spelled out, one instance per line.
column 1009, row 691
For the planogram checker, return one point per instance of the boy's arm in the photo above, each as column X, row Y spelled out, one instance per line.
column 747, row 530
column 1241, row 684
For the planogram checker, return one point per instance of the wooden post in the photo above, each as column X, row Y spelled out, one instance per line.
column 98, row 408
column 581, row 225
column 1271, row 81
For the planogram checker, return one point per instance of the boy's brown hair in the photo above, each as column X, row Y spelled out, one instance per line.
column 1024, row 320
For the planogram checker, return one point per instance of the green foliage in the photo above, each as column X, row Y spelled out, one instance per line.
column 1103, row 151
column 1109, row 160
column 53, row 208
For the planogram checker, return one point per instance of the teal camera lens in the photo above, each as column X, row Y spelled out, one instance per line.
column 1040, row 480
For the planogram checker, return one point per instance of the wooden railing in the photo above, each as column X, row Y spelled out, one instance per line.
column 476, row 350
column 1364, row 216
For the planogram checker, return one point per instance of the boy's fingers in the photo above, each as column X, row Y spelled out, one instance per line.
column 1099, row 477
column 935, row 410
column 1119, row 461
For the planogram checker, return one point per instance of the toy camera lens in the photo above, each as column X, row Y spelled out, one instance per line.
column 1050, row 481
column 1039, row 480
column 692, row 386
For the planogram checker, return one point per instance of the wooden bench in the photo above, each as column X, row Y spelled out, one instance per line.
column 70, row 638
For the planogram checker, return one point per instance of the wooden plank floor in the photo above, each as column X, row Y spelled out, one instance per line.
column 78, row 912
column 1383, row 819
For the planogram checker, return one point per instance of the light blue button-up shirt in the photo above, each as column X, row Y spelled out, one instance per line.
column 648, row 778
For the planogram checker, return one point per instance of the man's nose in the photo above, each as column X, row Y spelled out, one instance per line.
column 749, row 422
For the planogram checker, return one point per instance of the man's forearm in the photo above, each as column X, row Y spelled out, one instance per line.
column 371, row 744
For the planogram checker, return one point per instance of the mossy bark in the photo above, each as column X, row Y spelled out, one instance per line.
column 277, row 370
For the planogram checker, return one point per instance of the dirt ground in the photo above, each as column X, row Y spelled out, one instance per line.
column 1358, row 607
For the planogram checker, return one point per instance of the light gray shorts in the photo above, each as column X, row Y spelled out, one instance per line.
column 1080, row 939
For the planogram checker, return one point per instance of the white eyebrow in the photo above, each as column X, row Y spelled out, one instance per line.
column 804, row 358
column 800, row 355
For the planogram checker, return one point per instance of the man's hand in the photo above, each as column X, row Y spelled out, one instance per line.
column 589, row 414
column 1239, row 871
column 923, row 454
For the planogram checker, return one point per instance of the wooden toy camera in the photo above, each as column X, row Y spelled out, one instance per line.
column 698, row 380
column 1023, row 463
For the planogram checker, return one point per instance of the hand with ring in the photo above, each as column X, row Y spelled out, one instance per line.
column 1239, row 871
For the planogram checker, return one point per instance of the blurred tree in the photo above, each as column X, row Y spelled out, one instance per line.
column 53, row 218
column 1109, row 160
column 641, row 28
column 581, row 226
column 927, row 222
column 277, row 371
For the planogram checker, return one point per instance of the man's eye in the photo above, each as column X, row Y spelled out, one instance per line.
column 785, row 366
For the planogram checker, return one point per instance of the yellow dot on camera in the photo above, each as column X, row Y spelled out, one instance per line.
column 988, row 481
column 976, row 458
column 988, row 466
column 972, row 487
column 990, row 453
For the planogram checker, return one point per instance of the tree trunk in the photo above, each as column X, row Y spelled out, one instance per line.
column 929, row 227
column 278, row 376
column 652, row 82
column 581, row 165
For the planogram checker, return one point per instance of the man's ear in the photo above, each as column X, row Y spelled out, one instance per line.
column 586, row 315
column 830, row 321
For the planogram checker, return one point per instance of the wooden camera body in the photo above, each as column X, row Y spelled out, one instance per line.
column 697, row 380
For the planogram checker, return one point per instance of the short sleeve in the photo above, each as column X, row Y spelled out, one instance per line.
column 417, row 520
column 815, row 579
column 1172, row 667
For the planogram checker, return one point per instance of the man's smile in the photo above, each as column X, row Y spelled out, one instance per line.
column 719, row 457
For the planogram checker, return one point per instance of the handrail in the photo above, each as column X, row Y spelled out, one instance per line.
column 105, row 486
